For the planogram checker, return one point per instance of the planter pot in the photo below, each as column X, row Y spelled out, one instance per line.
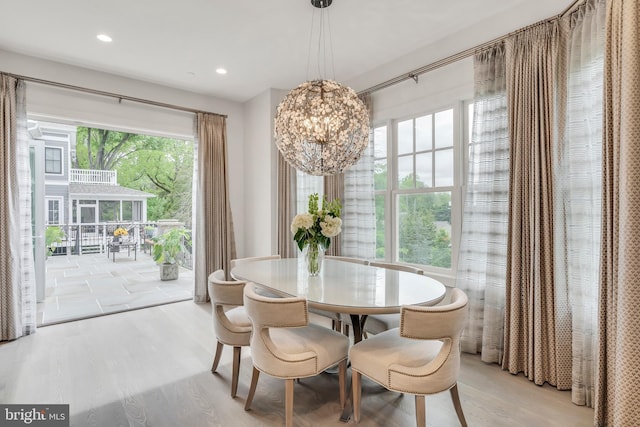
column 169, row 271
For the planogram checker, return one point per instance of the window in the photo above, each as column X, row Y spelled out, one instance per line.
column 53, row 160
column 109, row 210
column 127, row 210
column 380, row 183
column 416, row 189
column 54, row 211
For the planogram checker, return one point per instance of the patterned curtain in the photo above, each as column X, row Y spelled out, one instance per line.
column 537, row 340
column 578, row 187
column 483, row 247
column 213, row 231
column 618, row 382
column 17, row 274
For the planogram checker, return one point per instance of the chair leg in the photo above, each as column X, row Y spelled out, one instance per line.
column 357, row 393
column 236, row 370
column 345, row 329
column 421, row 419
column 342, row 376
column 216, row 358
column 456, row 403
column 288, row 402
column 252, row 388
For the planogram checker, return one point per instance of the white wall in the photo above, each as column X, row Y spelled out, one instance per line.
column 260, row 196
column 436, row 89
column 55, row 104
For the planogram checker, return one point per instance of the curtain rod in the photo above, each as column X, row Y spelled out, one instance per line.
column 110, row 94
column 460, row 55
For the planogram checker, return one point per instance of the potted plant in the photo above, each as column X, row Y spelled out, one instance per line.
column 167, row 249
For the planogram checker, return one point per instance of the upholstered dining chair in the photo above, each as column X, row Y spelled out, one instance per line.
column 285, row 345
column 377, row 323
column 230, row 321
column 421, row 357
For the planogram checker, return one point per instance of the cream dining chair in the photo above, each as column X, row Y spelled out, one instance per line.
column 230, row 321
column 285, row 345
column 421, row 357
column 336, row 321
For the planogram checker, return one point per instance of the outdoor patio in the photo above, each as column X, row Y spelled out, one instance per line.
column 81, row 286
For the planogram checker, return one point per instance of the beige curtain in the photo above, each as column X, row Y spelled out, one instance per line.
column 17, row 285
column 334, row 189
column 535, row 343
column 578, row 191
column 358, row 237
column 286, row 208
column 483, row 244
column 214, row 237
column 618, row 384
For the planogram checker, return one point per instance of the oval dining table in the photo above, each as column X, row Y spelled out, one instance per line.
column 343, row 287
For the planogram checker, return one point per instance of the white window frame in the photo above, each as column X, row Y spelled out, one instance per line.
column 49, row 147
column 393, row 192
column 60, row 201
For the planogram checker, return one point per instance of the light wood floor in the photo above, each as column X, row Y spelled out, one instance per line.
column 150, row 367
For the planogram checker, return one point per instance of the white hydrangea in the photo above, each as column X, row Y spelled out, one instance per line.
column 331, row 226
column 303, row 220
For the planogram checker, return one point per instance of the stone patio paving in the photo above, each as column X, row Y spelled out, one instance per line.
column 81, row 286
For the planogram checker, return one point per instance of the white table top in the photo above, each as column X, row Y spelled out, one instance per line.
column 343, row 287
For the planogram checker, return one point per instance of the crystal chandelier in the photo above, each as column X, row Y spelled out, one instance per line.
column 321, row 127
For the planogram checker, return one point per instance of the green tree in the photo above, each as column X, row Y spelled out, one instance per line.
column 161, row 166
column 165, row 170
column 421, row 239
column 380, row 183
column 104, row 149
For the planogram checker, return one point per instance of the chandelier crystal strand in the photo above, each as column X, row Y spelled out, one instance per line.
column 321, row 127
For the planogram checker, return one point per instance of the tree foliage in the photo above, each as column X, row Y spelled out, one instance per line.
column 424, row 223
column 103, row 149
column 161, row 166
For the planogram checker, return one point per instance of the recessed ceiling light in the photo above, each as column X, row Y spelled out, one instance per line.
column 221, row 71
column 104, row 38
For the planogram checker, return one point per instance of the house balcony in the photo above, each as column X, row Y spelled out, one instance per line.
column 92, row 176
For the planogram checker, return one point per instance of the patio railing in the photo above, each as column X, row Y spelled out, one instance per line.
column 85, row 238
column 92, row 176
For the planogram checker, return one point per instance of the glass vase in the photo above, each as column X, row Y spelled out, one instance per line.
column 313, row 257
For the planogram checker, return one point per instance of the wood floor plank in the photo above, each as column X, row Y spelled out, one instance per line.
column 151, row 367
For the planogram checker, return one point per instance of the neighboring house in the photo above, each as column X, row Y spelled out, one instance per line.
column 78, row 196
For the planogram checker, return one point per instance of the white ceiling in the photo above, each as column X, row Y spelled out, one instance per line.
column 263, row 44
